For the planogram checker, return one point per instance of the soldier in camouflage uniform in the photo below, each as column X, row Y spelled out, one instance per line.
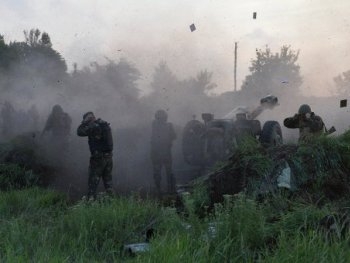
column 162, row 138
column 309, row 124
column 101, row 148
column 59, row 124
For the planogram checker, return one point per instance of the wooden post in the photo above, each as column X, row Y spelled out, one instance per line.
column 235, row 70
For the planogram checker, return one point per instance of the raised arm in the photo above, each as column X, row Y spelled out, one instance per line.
column 292, row 122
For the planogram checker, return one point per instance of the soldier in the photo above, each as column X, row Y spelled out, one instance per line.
column 163, row 135
column 58, row 123
column 101, row 147
column 309, row 124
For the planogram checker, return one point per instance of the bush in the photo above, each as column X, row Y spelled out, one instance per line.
column 13, row 177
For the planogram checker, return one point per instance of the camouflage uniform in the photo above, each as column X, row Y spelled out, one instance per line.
column 309, row 124
column 101, row 148
column 163, row 135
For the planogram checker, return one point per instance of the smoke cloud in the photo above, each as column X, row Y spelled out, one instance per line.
column 119, row 47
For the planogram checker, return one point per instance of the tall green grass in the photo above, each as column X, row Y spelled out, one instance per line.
column 38, row 225
column 41, row 226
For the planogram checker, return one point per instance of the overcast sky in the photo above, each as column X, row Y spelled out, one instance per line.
column 147, row 31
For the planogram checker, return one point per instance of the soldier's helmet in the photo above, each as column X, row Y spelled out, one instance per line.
column 87, row 114
column 303, row 109
column 161, row 116
column 57, row 109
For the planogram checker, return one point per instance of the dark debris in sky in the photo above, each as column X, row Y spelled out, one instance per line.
column 343, row 103
column 192, row 27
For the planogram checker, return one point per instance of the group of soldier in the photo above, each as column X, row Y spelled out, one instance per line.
column 162, row 137
column 101, row 148
column 100, row 142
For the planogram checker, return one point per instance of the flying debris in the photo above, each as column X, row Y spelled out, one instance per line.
column 343, row 103
column 192, row 27
column 254, row 15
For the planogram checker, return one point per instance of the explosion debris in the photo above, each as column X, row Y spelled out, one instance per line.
column 343, row 103
column 192, row 27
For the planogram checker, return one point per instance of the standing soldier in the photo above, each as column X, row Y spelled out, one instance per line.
column 163, row 135
column 101, row 147
column 59, row 124
column 309, row 124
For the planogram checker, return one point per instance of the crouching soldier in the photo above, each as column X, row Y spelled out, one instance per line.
column 163, row 135
column 101, row 148
column 309, row 124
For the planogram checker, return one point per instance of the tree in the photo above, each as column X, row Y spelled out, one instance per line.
column 201, row 85
column 45, row 40
column 163, row 79
column 7, row 55
column 34, row 38
column 183, row 98
column 31, row 63
column 275, row 74
column 36, row 57
column 111, row 87
column 121, row 77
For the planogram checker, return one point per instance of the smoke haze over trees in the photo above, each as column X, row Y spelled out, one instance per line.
column 34, row 77
column 269, row 73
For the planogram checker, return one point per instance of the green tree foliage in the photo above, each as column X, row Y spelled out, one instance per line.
column 7, row 55
column 272, row 73
column 33, row 59
column 118, row 77
column 114, row 81
column 35, row 38
column 36, row 56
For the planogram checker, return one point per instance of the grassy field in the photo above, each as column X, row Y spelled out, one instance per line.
column 41, row 225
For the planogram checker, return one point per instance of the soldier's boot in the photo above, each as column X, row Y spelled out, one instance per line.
column 92, row 191
column 91, row 196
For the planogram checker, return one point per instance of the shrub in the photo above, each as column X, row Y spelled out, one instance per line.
column 12, row 176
